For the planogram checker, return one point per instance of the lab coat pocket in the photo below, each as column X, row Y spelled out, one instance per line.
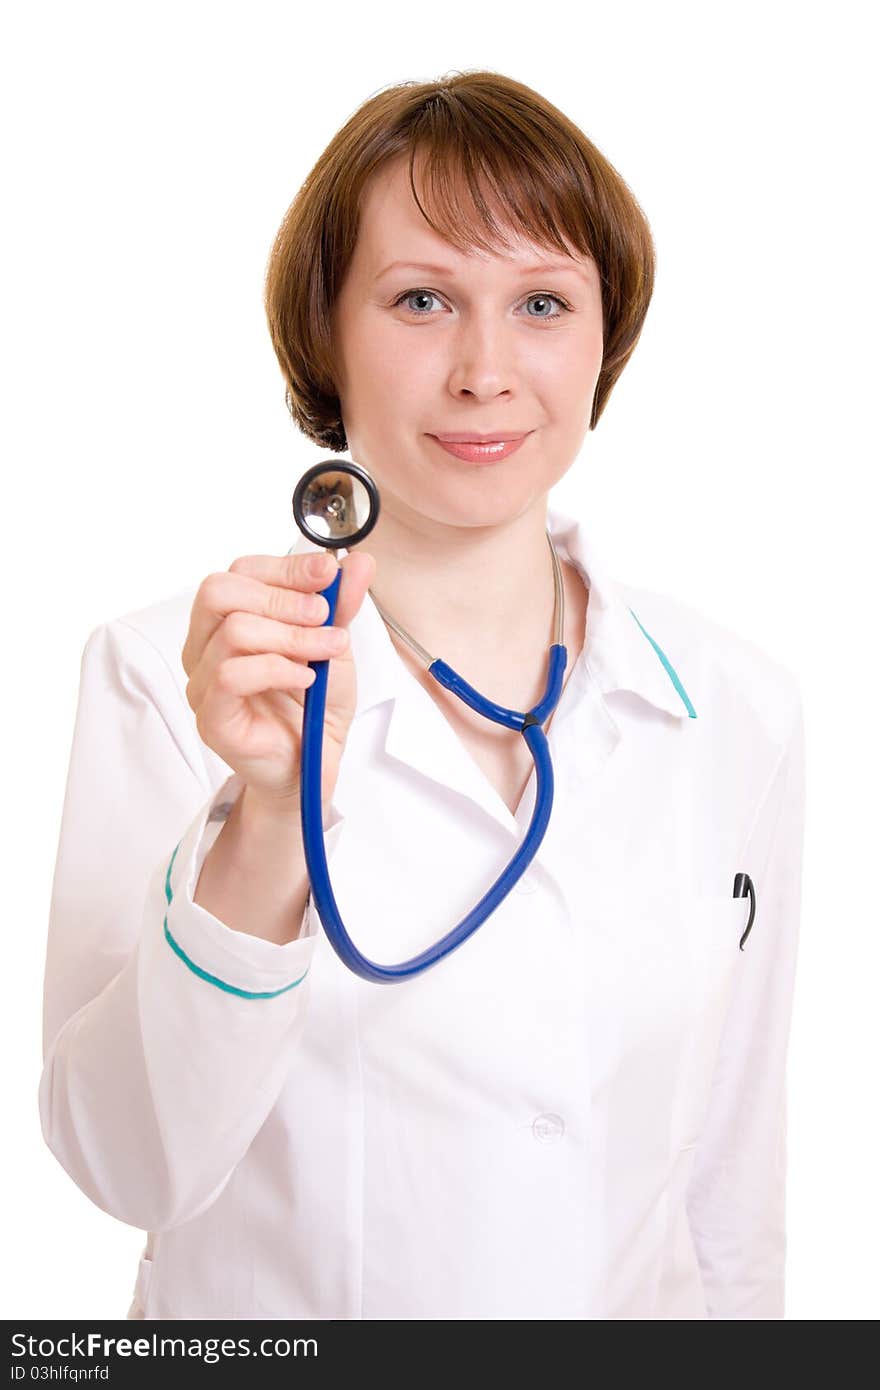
column 715, row 927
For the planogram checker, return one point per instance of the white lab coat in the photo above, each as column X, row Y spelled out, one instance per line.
column 578, row 1114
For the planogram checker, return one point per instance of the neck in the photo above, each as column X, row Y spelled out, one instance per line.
column 482, row 598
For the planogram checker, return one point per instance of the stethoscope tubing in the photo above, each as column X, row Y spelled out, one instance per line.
column 528, row 724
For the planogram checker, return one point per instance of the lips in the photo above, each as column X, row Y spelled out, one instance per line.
column 464, row 437
column 480, row 449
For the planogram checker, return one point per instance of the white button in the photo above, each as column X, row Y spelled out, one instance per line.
column 548, row 1127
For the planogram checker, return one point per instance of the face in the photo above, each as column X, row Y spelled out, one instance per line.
column 507, row 343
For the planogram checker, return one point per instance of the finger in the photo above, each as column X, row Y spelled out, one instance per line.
column 247, row 634
column 291, row 571
column 239, row 677
column 236, row 589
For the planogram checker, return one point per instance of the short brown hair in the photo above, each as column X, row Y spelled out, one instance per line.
column 470, row 127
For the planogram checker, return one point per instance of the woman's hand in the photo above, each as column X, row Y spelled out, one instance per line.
column 253, row 630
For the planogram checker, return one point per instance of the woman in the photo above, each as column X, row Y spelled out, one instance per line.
column 580, row 1113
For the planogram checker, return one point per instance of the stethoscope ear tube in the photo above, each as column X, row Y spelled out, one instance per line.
column 313, row 827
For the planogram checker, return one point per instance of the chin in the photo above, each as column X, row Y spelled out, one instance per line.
column 476, row 512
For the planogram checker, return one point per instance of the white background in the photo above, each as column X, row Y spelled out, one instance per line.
column 150, row 154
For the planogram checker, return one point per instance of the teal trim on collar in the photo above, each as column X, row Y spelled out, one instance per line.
column 203, row 974
column 670, row 671
column 168, row 872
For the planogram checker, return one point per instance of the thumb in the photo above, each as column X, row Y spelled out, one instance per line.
column 358, row 572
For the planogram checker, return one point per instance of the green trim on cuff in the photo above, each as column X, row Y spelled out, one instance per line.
column 203, row 974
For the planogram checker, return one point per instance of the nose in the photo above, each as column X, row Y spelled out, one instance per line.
column 482, row 358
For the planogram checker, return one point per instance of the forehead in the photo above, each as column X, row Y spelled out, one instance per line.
column 392, row 228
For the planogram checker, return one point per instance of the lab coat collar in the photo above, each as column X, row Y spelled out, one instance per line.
column 619, row 652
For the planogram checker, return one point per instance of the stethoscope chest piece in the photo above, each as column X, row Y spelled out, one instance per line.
column 336, row 504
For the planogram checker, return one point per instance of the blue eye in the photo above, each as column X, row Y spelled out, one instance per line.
column 429, row 294
column 544, row 299
column 413, row 294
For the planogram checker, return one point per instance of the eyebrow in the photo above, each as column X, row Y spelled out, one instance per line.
column 538, row 269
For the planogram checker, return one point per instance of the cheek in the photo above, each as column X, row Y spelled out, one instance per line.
column 396, row 378
column 564, row 354
column 574, row 370
column 386, row 366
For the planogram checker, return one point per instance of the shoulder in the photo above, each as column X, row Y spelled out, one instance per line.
column 728, row 676
column 134, row 661
column 151, row 638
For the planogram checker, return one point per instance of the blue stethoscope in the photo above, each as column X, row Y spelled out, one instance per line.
column 336, row 504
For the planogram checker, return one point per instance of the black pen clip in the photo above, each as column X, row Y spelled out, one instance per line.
column 742, row 884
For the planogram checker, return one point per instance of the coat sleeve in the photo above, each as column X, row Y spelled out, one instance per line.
column 167, row 1035
column 737, row 1188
